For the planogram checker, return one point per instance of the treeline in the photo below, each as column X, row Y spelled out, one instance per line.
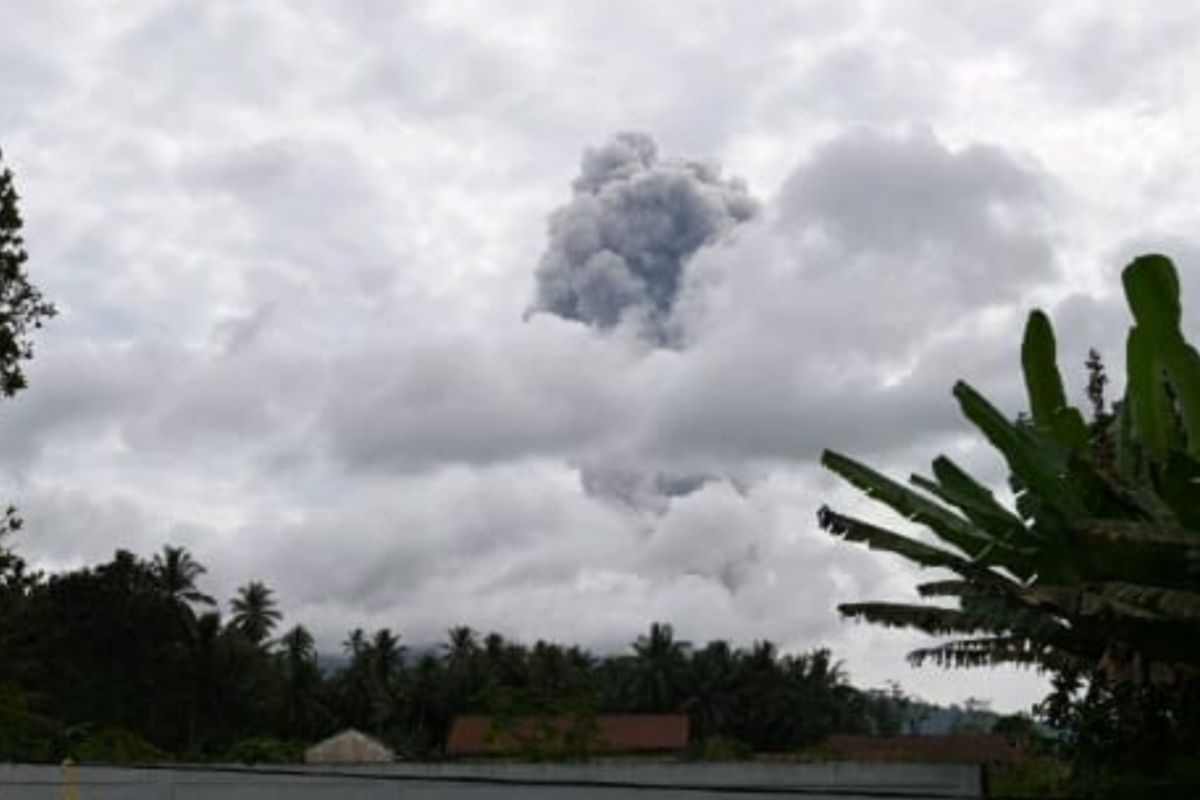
column 131, row 660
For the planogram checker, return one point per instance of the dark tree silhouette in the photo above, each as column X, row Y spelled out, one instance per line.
column 22, row 307
column 177, row 573
column 254, row 612
column 661, row 663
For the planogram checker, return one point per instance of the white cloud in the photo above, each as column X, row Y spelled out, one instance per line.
column 292, row 248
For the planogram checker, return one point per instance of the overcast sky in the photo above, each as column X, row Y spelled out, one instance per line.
column 535, row 316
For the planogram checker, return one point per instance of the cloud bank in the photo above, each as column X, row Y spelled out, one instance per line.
column 292, row 258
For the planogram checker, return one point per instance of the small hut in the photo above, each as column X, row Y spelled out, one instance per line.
column 349, row 747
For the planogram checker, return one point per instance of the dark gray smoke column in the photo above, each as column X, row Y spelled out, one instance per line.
column 618, row 250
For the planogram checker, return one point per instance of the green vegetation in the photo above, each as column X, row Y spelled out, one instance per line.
column 1093, row 574
column 127, row 660
column 22, row 307
column 539, row 727
column 116, row 746
column 22, row 310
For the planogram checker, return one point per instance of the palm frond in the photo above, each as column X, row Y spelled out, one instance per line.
column 946, row 588
column 944, row 523
column 1040, row 462
column 1173, row 604
column 990, row 651
column 929, row 619
column 1112, row 531
column 877, row 538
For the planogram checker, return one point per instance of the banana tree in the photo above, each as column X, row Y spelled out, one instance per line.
column 1097, row 563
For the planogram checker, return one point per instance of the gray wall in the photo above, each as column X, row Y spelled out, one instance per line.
column 103, row 783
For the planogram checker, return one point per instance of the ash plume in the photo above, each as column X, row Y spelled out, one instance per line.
column 619, row 249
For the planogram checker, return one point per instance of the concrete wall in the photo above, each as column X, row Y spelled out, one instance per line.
column 430, row 781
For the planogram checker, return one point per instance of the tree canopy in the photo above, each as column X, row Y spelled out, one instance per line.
column 22, row 307
column 128, row 655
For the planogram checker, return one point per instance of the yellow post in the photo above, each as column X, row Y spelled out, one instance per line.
column 70, row 779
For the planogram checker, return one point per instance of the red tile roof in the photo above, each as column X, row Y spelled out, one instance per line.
column 618, row 733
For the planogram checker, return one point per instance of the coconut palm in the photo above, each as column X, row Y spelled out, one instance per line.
column 177, row 573
column 661, row 666
column 301, row 678
column 255, row 613
column 463, row 662
column 298, row 646
column 714, row 672
column 462, row 645
column 354, row 683
column 385, row 663
column 387, row 656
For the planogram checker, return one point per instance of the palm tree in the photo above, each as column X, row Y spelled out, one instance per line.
column 355, row 685
column 462, row 658
column 661, row 664
column 205, row 719
column 177, row 573
column 298, row 646
column 429, row 711
column 254, row 612
column 302, row 678
column 387, row 656
column 713, row 686
column 355, row 644
column 385, row 659
column 461, row 645
column 503, row 664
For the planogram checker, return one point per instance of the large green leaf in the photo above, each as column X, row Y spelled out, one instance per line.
column 1104, row 543
column 997, row 618
column 1047, row 399
column 1171, row 604
column 990, row 651
column 946, row 588
column 1039, row 361
column 1156, row 350
column 877, row 538
column 1144, row 393
column 1037, row 463
column 1152, row 291
column 1117, row 497
column 1080, row 601
column 947, row 525
column 1182, row 364
column 1012, row 546
column 1179, row 486
column 1008, row 607
column 929, row 619
column 1137, row 533
column 973, row 497
column 1129, row 462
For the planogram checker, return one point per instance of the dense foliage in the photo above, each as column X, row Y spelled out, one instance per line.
column 1094, row 572
column 130, row 657
column 22, row 307
column 130, row 661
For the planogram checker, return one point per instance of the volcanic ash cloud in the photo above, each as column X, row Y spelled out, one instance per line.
column 618, row 251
